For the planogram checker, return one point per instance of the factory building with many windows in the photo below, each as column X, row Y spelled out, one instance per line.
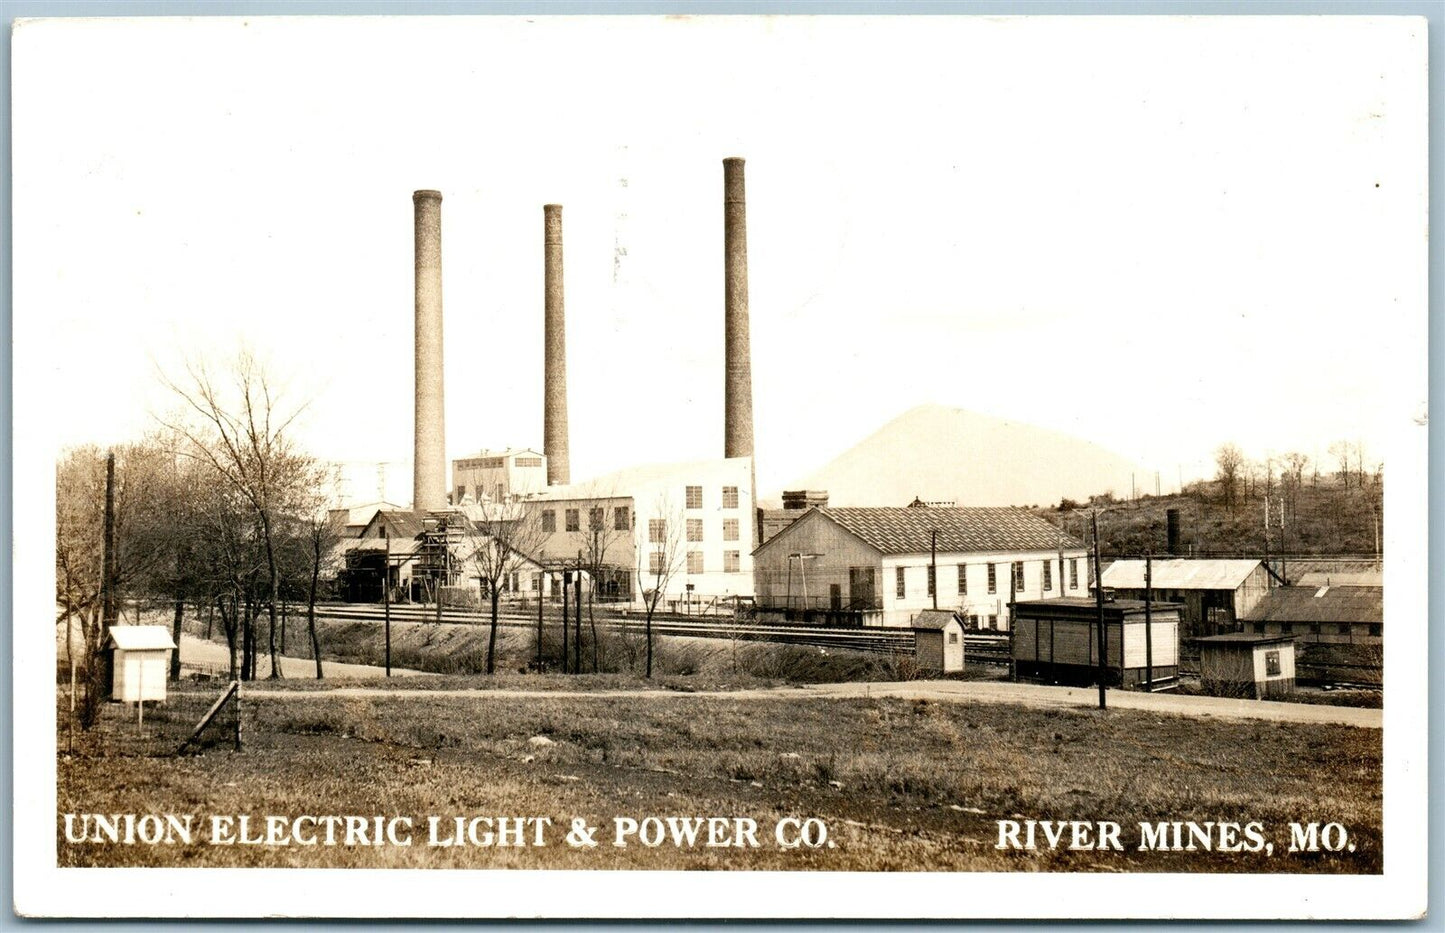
column 883, row 566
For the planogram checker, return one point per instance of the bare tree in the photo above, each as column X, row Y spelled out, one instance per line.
column 602, row 556
column 241, row 432
column 501, row 539
column 1341, row 451
column 665, row 556
column 1229, row 463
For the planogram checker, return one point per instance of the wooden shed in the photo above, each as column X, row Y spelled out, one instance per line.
column 1056, row 640
column 1248, row 665
column 141, row 662
column 938, row 641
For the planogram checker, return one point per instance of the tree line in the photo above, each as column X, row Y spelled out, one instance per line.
column 216, row 509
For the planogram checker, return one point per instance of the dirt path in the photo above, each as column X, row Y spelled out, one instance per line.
column 944, row 691
column 200, row 651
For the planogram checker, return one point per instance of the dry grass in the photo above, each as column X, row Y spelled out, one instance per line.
column 902, row 785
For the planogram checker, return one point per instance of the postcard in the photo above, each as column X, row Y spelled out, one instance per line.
column 720, row 466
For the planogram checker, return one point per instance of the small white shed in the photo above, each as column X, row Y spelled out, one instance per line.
column 938, row 640
column 141, row 662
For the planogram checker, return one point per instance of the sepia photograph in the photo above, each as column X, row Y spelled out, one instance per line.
column 720, row 466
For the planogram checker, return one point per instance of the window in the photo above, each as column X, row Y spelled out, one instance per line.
column 528, row 461
column 732, row 561
column 953, row 638
column 657, row 530
column 595, row 518
column 1271, row 663
column 992, row 621
column 1344, row 628
column 1287, row 628
column 1019, row 576
column 694, row 497
column 1259, row 628
column 694, row 561
column 549, row 520
column 461, row 493
column 694, row 529
column 963, row 579
column 730, row 497
column 1048, row 575
column 512, row 584
column 537, row 582
column 654, row 562
column 901, row 588
column 574, row 520
column 932, row 579
column 730, row 529
column 1314, row 628
column 1375, row 629
column 621, row 518
column 993, row 578
column 501, row 492
column 1073, row 573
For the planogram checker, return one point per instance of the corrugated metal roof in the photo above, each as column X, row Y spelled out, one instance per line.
column 1309, row 604
column 140, row 637
column 935, row 619
column 904, row 530
column 1180, row 574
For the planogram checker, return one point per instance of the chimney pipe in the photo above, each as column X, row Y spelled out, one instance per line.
column 429, row 475
column 738, row 377
column 554, row 368
column 1171, row 524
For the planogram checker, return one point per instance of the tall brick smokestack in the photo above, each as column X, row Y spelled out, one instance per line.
column 738, row 376
column 554, row 367
column 429, row 475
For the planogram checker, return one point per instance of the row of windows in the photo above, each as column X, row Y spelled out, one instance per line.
column 657, row 530
column 732, row 562
column 1341, row 628
column 596, row 519
column 729, row 497
column 1019, row 579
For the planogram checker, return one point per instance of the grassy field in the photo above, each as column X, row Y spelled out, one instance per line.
column 900, row 785
column 699, row 663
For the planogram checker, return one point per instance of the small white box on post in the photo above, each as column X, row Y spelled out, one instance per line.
column 142, row 662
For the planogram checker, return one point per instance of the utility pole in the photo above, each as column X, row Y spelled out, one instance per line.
column 1148, row 621
column 1099, row 607
column 386, row 600
column 541, row 578
column 933, row 568
column 107, row 575
column 566, row 615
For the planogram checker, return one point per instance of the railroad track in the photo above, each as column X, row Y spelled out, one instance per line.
column 988, row 649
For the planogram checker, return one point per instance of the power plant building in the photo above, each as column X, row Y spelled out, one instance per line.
column 882, row 566
column 499, row 476
column 689, row 524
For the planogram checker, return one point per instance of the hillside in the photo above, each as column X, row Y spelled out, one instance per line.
column 1325, row 517
column 949, row 454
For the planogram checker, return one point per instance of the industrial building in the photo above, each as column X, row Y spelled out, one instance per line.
column 498, row 476
column 691, row 524
column 1057, row 640
column 1215, row 594
column 1339, row 630
column 882, row 566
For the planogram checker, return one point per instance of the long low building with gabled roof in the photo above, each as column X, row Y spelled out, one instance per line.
column 883, row 566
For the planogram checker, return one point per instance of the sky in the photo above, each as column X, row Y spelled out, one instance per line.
column 1158, row 235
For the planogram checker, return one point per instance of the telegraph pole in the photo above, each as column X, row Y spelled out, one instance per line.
column 386, row 600
column 1148, row 621
column 1099, row 607
column 933, row 568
